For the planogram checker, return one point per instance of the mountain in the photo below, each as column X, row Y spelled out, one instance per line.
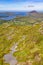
column 35, row 14
column 33, row 11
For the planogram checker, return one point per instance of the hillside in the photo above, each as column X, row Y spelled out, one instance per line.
column 21, row 40
column 24, row 42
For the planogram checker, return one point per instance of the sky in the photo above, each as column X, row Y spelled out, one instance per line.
column 21, row 5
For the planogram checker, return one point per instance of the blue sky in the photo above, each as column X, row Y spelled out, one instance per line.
column 21, row 5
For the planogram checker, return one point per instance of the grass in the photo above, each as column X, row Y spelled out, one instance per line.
column 29, row 39
column 31, row 48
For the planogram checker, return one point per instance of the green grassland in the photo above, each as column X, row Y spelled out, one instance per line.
column 27, row 20
column 27, row 33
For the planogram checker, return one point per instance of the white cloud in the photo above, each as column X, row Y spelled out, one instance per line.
column 22, row 6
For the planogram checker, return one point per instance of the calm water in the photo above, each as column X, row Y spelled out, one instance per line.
column 11, row 15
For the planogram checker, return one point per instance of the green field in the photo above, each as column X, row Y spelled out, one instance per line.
column 26, row 34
